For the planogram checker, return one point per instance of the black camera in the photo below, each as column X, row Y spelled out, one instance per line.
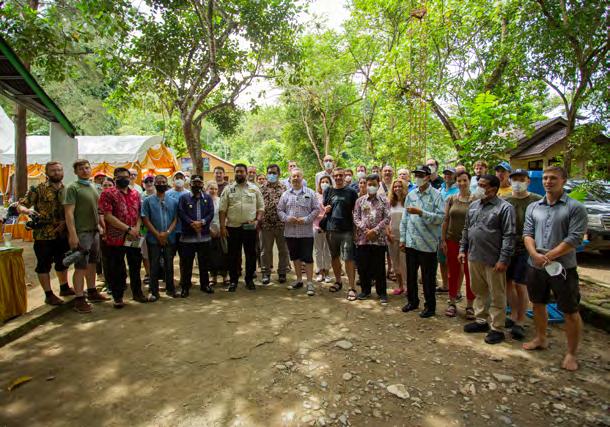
column 35, row 222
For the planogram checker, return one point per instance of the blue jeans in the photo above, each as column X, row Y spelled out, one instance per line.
column 155, row 253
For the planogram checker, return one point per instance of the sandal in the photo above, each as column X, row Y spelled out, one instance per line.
column 351, row 295
column 336, row 287
column 398, row 291
column 451, row 310
column 470, row 313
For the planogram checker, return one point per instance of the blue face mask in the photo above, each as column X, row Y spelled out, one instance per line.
column 271, row 177
column 84, row 181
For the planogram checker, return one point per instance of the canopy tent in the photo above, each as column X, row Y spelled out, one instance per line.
column 147, row 154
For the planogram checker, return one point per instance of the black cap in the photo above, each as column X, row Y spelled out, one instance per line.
column 149, row 178
column 450, row 170
column 423, row 169
column 521, row 172
column 196, row 178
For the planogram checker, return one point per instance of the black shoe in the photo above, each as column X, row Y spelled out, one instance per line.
column 250, row 285
column 207, row 289
column 362, row 296
column 474, row 327
column 517, row 332
column 440, row 290
column 232, row 287
column 281, row 278
column 172, row 294
column 266, row 279
column 66, row 291
column 409, row 307
column 427, row 313
column 509, row 323
column 184, row 293
column 494, row 337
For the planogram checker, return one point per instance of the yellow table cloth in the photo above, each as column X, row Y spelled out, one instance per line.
column 13, row 293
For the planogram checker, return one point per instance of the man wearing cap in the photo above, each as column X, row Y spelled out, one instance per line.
column 503, row 171
column 435, row 180
column 178, row 189
column 149, row 186
column 196, row 212
column 516, row 291
column 241, row 210
column 420, row 232
column 554, row 228
column 98, row 179
column 480, row 169
column 488, row 239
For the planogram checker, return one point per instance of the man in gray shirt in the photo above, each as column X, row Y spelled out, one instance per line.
column 554, row 227
column 488, row 239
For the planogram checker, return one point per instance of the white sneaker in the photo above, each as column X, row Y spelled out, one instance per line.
column 311, row 290
column 319, row 278
column 328, row 279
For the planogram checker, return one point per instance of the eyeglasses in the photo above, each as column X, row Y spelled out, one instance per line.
column 133, row 175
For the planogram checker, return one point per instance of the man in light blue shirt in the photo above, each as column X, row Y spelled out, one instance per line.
column 420, row 231
column 160, row 215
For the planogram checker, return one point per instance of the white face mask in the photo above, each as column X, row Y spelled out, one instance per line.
column 372, row 189
column 479, row 193
column 324, row 186
column 519, row 187
column 179, row 183
column 360, row 175
column 555, row 269
column 348, row 179
column 420, row 181
column 328, row 165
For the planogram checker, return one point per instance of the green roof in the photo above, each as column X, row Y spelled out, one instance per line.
column 18, row 84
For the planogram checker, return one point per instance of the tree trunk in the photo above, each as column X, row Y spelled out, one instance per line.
column 191, row 136
column 453, row 131
column 21, row 160
column 567, row 157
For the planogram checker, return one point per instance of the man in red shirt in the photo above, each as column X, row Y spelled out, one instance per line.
column 121, row 209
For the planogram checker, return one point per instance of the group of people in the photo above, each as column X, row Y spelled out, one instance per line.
column 508, row 245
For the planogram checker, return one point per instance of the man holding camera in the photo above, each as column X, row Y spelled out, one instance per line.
column 44, row 207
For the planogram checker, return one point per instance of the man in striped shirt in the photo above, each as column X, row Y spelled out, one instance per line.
column 420, row 231
column 297, row 208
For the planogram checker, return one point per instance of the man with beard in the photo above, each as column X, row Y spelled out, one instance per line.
column 241, row 211
column 43, row 205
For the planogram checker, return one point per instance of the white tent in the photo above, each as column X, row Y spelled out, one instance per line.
column 97, row 149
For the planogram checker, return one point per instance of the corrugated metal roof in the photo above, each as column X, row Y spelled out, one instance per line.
column 543, row 144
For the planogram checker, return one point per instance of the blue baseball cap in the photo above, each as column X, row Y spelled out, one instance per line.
column 504, row 165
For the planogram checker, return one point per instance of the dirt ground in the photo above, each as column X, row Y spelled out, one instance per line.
column 275, row 357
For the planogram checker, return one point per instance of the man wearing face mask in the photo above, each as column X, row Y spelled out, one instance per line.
column 272, row 227
column 241, row 211
column 371, row 219
column 516, row 291
column 420, row 232
column 121, row 207
column 50, row 236
column 160, row 216
column 98, row 179
column 175, row 193
column 196, row 212
column 554, row 228
column 329, row 164
column 488, row 238
column 435, row 180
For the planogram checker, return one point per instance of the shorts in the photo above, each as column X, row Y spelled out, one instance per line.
column 517, row 270
column 341, row 244
column 50, row 252
column 540, row 284
column 88, row 241
column 300, row 249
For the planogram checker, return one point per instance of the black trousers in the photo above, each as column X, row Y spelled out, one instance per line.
column 155, row 254
column 238, row 239
column 118, row 272
column 427, row 262
column 371, row 266
column 187, row 252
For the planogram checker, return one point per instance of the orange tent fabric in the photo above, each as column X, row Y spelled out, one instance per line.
column 13, row 293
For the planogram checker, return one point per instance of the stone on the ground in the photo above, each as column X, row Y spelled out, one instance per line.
column 398, row 390
column 503, row 378
column 347, row 376
column 344, row 344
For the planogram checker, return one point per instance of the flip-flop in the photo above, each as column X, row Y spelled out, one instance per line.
column 352, row 295
column 537, row 348
column 336, row 287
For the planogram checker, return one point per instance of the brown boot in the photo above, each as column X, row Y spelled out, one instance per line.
column 93, row 295
column 66, row 292
column 53, row 300
column 82, row 306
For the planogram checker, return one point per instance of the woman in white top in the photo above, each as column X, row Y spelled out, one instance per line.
column 321, row 249
column 399, row 261
column 218, row 258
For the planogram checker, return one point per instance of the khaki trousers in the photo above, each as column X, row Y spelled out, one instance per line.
column 268, row 237
column 489, row 288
